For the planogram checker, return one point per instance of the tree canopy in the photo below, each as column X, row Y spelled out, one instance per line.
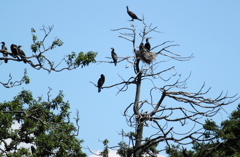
column 33, row 126
column 44, row 125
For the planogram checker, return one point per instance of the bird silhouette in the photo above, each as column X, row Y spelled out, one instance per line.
column 114, row 56
column 5, row 55
column 14, row 50
column 147, row 45
column 22, row 54
column 101, row 82
column 132, row 15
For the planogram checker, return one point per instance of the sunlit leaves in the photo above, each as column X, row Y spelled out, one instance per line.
column 34, row 48
column 73, row 60
column 34, row 38
column 35, row 44
column 56, row 42
column 27, row 80
column 38, row 44
column 82, row 59
column 105, row 152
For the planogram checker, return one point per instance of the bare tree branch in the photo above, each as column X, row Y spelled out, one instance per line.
column 10, row 84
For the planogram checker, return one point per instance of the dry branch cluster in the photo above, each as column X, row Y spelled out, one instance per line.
column 190, row 108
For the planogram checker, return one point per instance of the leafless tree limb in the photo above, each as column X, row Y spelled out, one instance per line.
column 188, row 108
column 11, row 84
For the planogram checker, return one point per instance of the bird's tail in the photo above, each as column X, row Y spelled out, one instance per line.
column 139, row 19
column 99, row 89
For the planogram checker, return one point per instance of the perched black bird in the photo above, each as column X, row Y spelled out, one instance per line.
column 147, row 45
column 5, row 55
column 132, row 15
column 114, row 56
column 14, row 50
column 101, row 82
column 22, row 54
column 142, row 47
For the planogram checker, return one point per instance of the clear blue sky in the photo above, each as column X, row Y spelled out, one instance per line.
column 208, row 29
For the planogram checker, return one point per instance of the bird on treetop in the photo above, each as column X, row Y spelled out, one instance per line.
column 147, row 44
column 132, row 15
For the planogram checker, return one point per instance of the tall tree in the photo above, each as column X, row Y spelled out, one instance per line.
column 188, row 108
column 224, row 139
column 44, row 126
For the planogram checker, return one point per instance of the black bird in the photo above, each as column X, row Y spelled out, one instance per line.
column 101, row 82
column 14, row 50
column 5, row 55
column 147, row 45
column 142, row 48
column 114, row 56
column 145, row 55
column 132, row 15
column 22, row 54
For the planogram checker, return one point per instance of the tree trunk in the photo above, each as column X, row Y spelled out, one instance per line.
column 138, row 140
column 139, row 130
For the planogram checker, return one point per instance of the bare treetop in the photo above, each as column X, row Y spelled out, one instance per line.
column 162, row 116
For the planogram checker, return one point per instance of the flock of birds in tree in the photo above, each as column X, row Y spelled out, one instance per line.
column 144, row 52
column 16, row 52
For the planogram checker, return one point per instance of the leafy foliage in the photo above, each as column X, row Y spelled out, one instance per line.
column 124, row 149
column 45, row 125
column 38, row 44
column 82, row 59
column 105, row 152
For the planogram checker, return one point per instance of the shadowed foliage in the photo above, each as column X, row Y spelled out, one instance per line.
column 44, row 125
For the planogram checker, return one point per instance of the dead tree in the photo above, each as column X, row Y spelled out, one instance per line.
column 189, row 107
